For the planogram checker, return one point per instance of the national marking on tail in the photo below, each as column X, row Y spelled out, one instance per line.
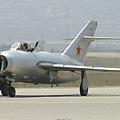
column 78, row 50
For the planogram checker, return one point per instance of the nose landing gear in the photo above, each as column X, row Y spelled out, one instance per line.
column 12, row 91
column 7, row 90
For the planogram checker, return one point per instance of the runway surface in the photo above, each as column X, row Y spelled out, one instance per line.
column 62, row 104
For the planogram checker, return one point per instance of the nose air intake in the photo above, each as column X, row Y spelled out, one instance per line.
column 3, row 63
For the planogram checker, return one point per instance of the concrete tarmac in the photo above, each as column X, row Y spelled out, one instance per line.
column 102, row 103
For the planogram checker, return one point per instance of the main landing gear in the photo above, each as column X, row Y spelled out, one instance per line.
column 84, row 84
column 7, row 90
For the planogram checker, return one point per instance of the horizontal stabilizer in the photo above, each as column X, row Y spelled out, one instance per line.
column 69, row 38
column 90, row 38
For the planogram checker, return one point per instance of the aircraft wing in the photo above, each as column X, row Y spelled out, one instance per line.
column 61, row 67
column 90, row 38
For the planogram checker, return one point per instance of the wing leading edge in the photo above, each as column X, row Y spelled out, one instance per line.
column 61, row 67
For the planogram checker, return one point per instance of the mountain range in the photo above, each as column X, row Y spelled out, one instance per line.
column 54, row 20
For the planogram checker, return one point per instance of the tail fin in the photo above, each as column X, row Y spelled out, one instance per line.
column 79, row 46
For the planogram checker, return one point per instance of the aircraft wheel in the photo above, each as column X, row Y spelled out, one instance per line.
column 82, row 91
column 12, row 91
column 5, row 89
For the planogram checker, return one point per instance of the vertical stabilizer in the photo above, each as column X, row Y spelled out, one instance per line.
column 79, row 46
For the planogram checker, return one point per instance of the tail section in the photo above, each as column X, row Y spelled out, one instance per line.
column 79, row 46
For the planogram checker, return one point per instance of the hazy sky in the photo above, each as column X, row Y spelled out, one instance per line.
column 56, row 19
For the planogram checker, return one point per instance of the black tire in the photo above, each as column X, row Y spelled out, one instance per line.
column 82, row 91
column 12, row 91
column 5, row 89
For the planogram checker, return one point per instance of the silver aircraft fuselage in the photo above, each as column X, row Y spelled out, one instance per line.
column 22, row 66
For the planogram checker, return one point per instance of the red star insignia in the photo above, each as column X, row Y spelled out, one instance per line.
column 78, row 50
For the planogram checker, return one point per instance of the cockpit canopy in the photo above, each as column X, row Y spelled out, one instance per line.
column 23, row 46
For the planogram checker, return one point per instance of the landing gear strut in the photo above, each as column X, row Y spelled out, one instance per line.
column 7, row 90
column 84, row 84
